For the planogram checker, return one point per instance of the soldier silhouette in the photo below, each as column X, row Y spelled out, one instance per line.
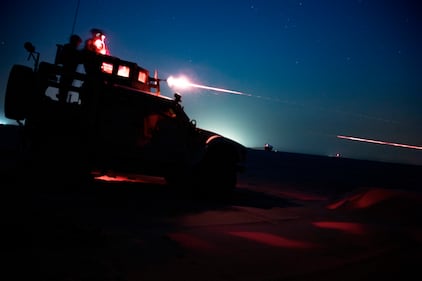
column 70, row 58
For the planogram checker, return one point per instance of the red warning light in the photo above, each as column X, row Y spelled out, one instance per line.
column 100, row 46
column 97, row 43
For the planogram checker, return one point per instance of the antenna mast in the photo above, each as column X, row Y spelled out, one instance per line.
column 76, row 15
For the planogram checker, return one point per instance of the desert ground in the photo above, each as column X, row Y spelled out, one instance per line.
column 291, row 217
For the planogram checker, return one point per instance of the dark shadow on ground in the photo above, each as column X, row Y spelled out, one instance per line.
column 100, row 232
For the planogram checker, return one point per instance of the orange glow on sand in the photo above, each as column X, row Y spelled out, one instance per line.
column 129, row 178
column 349, row 227
column 273, row 240
column 372, row 197
column 115, row 178
column 380, row 142
column 368, row 198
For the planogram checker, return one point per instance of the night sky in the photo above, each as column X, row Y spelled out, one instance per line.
column 309, row 70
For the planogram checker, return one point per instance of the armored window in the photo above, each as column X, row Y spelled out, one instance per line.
column 123, row 71
column 142, row 77
column 107, row 68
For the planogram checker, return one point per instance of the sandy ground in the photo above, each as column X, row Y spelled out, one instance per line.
column 292, row 217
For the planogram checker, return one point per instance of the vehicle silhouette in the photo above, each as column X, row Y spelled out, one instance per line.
column 115, row 119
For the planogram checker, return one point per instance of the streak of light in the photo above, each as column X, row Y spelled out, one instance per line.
column 219, row 89
column 380, row 142
column 183, row 82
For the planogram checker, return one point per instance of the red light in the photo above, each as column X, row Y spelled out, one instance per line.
column 107, row 68
column 100, row 45
column 142, row 77
column 123, row 71
column 97, row 44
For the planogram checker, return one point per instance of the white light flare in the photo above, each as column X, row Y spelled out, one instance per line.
column 184, row 83
column 181, row 82
column 380, row 142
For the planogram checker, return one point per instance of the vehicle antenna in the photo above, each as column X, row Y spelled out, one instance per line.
column 76, row 15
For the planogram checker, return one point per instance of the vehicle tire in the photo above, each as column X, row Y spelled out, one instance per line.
column 18, row 90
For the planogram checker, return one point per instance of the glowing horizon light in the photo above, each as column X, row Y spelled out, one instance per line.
column 4, row 121
column 183, row 82
column 380, row 142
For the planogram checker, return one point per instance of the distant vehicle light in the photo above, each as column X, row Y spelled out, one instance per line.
column 268, row 147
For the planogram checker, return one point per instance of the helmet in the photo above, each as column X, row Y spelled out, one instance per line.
column 96, row 32
column 75, row 40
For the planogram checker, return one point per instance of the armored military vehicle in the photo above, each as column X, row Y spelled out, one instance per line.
column 114, row 119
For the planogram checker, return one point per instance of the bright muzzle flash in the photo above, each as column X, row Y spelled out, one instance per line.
column 184, row 83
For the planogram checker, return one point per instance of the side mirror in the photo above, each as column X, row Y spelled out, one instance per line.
column 177, row 98
column 32, row 54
